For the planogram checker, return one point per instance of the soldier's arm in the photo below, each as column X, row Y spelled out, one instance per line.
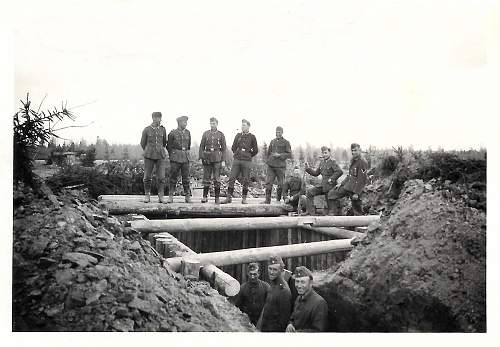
column 313, row 172
column 285, row 308
column 189, row 140
column 235, row 143
column 255, row 148
column 361, row 178
column 202, row 146
column 144, row 138
column 223, row 146
column 164, row 140
column 288, row 152
column 170, row 141
column 337, row 172
column 319, row 319
column 269, row 149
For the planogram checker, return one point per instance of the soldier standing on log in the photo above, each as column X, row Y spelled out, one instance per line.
column 178, row 146
column 153, row 141
column 212, row 154
column 276, row 311
column 352, row 185
column 278, row 152
column 253, row 294
column 330, row 172
column 310, row 312
column 294, row 190
column 244, row 149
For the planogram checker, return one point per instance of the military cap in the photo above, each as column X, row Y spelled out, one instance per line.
column 213, row 119
column 156, row 114
column 355, row 145
column 279, row 128
column 276, row 259
column 302, row 271
column 181, row 118
column 324, row 148
column 253, row 266
column 245, row 121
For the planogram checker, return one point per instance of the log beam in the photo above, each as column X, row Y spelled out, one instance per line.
column 338, row 233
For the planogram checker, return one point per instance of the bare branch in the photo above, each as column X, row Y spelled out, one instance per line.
column 74, row 126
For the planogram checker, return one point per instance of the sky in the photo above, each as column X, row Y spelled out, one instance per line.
column 383, row 73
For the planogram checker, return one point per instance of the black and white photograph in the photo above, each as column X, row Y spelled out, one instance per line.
column 195, row 170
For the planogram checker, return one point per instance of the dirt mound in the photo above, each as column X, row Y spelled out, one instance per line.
column 76, row 269
column 422, row 269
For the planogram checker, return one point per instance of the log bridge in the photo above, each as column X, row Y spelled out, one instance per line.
column 222, row 246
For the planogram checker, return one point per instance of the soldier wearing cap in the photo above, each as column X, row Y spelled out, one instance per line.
column 253, row 294
column 212, row 153
column 153, row 141
column 352, row 185
column 310, row 312
column 294, row 190
column 276, row 311
column 278, row 152
column 178, row 146
column 330, row 172
column 244, row 149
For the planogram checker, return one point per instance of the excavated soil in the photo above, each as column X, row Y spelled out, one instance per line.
column 422, row 269
column 76, row 269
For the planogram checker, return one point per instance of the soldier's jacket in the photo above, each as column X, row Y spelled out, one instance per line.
column 178, row 145
column 251, row 298
column 276, row 311
column 330, row 172
column 295, row 185
column 356, row 179
column 281, row 147
column 153, row 141
column 244, row 146
column 212, row 146
column 310, row 313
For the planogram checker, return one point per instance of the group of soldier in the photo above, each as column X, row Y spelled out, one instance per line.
column 175, row 148
column 270, row 306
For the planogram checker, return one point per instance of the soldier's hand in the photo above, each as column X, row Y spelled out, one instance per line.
column 290, row 328
column 355, row 196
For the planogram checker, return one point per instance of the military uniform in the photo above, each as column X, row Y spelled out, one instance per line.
column 212, row 153
column 178, row 146
column 276, row 311
column 251, row 299
column 153, row 141
column 276, row 165
column 295, row 187
column 354, row 183
column 244, row 149
column 310, row 313
column 330, row 172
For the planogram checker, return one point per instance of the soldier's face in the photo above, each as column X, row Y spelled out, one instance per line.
column 253, row 275
column 245, row 127
column 356, row 152
column 303, row 285
column 183, row 124
column 325, row 154
column 156, row 120
column 279, row 134
column 274, row 271
column 213, row 124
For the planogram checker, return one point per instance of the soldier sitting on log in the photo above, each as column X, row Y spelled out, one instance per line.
column 330, row 172
column 153, row 141
column 212, row 154
column 352, row 185
column 310, row 312
column 253, row 294
column 294, row 190
column 178, row 146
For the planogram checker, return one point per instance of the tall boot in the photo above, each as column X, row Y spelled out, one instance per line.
column 161, row 188
column 217, row 194
column 229, row 196
column 171, row 189
column 205, row 195
column 147, row 192
column 187, row 194
column 268, row 196
column 279, row 191
column 244, row 194
column 331, row 207
column 310, row 210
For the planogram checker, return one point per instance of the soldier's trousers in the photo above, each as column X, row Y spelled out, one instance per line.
column 240, row 167
column 294, row 202
column 337, row 194
column 174, row 173
column 273, row 173
column 160, row 165
column 211, row 170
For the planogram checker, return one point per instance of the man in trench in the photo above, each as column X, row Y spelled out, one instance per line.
column 253, row 294
column 352, row 185
column 212, row 153
column 330, row 172
column 278, row 152
column 178, row 146
column 294, row 190
column 276, row 311
column 153, row 141
column 310, row 312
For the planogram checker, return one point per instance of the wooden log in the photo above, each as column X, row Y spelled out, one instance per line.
column 190, row 268
column 222, row 281
column 260, row 254
column 193, row 210
column 177, row 199
column 338, row 233
column 250, row 223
